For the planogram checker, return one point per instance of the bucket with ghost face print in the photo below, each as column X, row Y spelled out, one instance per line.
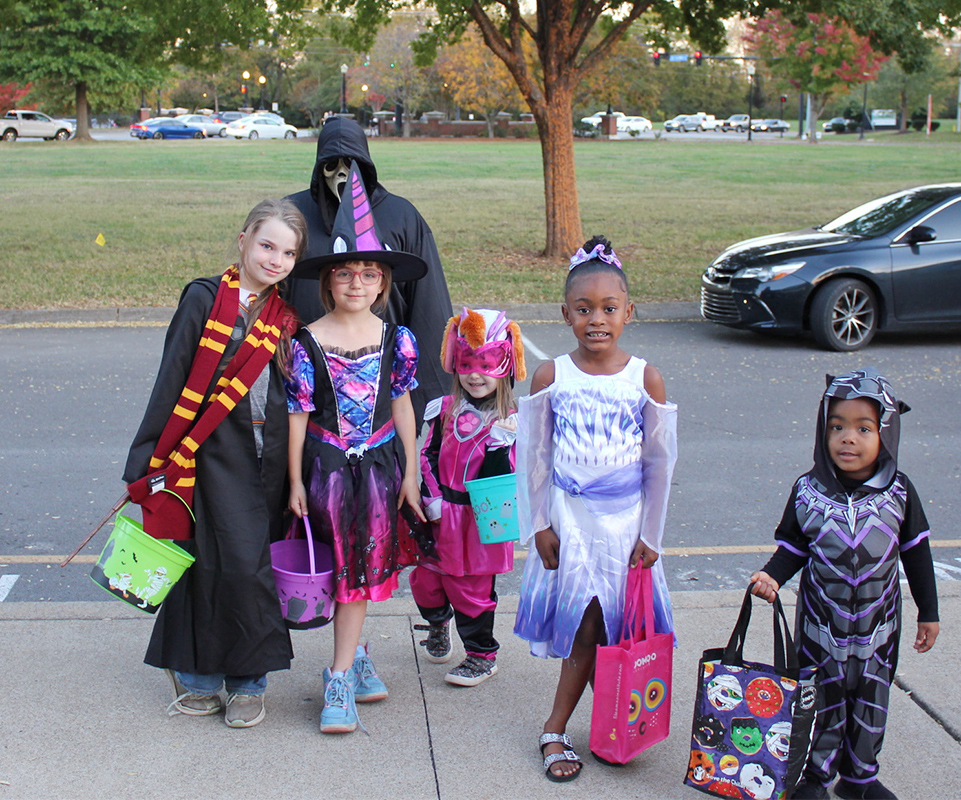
column 494, row 502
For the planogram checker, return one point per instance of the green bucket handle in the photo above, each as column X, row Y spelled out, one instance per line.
column 117, row 507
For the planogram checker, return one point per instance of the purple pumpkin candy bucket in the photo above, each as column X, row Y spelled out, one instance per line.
column 304, row 574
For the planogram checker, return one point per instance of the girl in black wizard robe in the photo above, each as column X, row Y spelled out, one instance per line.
column 226, row 351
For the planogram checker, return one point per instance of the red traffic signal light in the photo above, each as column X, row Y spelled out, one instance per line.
column 657, row 59
column 698, row 57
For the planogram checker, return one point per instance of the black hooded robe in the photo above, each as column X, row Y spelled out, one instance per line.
column 423, row 306
column 223, row 616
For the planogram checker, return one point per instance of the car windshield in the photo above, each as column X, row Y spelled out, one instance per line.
column 886, row 214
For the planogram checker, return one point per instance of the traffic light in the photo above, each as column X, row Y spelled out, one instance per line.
column 698, row 58
column 657, row 59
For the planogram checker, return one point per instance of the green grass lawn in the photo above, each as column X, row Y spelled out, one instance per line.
column 170, row 211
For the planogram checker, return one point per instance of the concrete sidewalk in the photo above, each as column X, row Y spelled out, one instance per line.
column 83, row 718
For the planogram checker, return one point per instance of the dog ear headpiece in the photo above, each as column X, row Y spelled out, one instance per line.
column 483, row 341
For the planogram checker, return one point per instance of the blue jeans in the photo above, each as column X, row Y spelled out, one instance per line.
column 211, row 684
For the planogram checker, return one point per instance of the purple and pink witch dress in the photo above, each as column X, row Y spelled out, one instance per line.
column 353, row 460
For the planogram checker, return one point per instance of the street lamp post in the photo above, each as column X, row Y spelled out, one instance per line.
column 343, row 88
column 363, row 109
column 750, row 98
column 243, row 87
column 864, row 112
column 263, row 83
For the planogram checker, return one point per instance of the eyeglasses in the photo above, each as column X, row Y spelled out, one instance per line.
column 368, row 277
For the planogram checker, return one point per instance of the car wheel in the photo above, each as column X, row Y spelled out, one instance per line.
column 158, row 135
column 10, row 135
column 198, row 135
column 254, row 135
column 700, row 129
column 289, row 135
column 222, row 133
column 844, row 315
column 62, row 135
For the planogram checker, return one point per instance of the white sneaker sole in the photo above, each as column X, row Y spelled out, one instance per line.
column 460, row 680
column 439, row 659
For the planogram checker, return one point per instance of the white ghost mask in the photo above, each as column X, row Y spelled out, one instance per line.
column 335, row 176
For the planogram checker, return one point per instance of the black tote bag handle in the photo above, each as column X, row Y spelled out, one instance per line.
column 785, row 653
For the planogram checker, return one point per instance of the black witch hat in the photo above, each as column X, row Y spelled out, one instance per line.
column 355, row 238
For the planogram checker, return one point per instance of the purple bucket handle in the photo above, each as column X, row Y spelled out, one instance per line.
column 310, row 542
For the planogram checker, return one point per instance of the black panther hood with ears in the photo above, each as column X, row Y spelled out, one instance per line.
column 869, row 384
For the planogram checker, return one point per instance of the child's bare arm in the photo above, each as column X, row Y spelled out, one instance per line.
column 927, row 635
column 402, row 412
column 295, row 459
column 765, row 586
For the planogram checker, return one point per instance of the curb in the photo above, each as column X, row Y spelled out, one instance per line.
column 680, row 311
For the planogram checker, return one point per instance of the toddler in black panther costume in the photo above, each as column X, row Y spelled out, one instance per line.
column 847, row 524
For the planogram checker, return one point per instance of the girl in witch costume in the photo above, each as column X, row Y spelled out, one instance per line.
column 599, row 419
column 353, row 456
column 471, row 436
column 215, row 435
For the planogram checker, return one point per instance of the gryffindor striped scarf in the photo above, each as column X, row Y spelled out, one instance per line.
column 172, row 469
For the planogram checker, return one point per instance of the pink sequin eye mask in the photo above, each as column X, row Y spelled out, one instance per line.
column 492, row 359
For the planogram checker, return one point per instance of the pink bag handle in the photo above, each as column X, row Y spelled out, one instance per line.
column 291, row 534
column 639, row 596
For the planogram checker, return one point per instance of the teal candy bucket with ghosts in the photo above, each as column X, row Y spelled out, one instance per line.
column 494, row 502
column 138, row 568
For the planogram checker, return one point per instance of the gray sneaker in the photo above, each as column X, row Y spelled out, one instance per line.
column 437, row 643
column 190, row 703
column 471, row 671
column 244, row 710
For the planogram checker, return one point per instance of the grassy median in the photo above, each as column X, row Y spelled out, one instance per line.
column 169, row 211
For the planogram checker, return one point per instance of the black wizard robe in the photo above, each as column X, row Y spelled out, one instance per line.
column 223, row 616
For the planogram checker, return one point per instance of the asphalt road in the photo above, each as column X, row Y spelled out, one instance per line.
column 71, row 399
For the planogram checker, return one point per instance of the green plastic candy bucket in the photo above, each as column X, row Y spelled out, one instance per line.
column 138, row 568
column 494, row 502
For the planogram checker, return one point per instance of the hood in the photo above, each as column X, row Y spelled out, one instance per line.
column 778, row 247
column 341, row 137
column 869, row 384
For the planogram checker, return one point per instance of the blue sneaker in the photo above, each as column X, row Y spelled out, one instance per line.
column 340, row 713
column 368, row 687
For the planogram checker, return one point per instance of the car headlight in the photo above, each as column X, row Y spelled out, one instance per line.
column 769, row 273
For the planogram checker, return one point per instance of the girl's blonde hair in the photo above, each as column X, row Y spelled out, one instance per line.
column 327, row 297
column 502, row 400
column 286, row 212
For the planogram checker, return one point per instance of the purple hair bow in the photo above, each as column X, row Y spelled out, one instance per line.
column 597, row 253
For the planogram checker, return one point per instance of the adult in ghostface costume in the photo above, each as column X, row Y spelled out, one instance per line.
column 422, row 306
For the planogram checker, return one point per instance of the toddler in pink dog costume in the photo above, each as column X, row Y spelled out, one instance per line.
column 471, row 436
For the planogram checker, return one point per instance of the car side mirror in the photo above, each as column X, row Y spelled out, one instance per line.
column 920, row 234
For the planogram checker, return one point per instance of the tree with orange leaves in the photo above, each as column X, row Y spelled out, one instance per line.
column 820, row 55
column 477, row 79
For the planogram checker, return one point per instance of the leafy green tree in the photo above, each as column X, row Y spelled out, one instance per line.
column 110, row 47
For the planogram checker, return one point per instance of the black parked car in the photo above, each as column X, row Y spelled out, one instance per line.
column 891, row 264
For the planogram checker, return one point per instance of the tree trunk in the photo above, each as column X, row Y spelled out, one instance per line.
column 83, row 119
column 903, row 125
column 555, row 126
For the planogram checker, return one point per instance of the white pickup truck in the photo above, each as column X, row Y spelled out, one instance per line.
column 33, row 124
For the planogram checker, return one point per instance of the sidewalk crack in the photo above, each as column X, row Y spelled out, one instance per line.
column 928, row 708
column 423, row 697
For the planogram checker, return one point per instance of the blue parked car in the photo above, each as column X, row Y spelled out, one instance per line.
column 165, row 128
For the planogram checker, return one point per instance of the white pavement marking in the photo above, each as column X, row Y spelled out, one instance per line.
column 534, row 350
column 6, row 584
